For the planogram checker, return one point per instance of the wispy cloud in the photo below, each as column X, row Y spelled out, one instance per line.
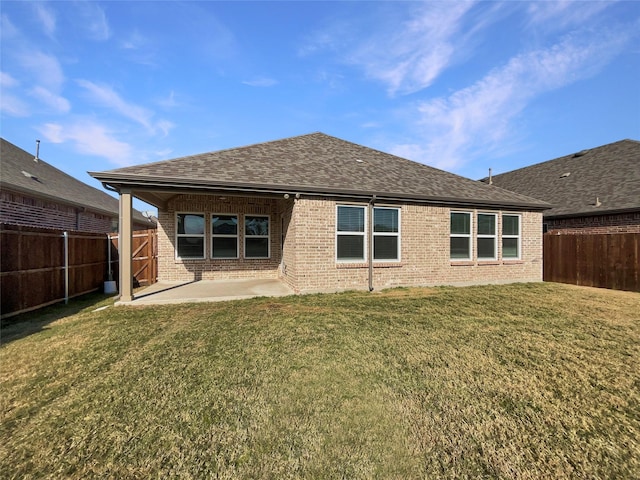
column 563, row 13
column 406, row 58
column 169, row 101
column 89, row 138
column 44, row 68
column 140, row 49
column 475, row 119
column 57, row 102
column 46, row 17
column 134, row 41
column 13, row 106
column 93, row 20
column 261, row 82
column 8, row 30
column 419, row 52
column 110, row 99
column 7, row 81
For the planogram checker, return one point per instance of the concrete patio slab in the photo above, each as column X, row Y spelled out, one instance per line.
column 208, row 291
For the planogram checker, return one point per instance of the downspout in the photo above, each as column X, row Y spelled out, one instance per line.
column 370, row 242
column 109, row 266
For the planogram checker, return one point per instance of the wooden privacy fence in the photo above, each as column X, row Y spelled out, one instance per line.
column 39, row 267
column 595, row 260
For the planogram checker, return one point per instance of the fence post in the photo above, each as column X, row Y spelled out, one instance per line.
column 66, row 267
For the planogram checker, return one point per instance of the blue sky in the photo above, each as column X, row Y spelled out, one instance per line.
column 462, row 86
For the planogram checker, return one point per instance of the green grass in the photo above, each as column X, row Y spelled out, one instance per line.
column 519, row 381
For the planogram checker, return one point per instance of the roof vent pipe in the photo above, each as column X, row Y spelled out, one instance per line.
column 37, row 157
column 490, row 177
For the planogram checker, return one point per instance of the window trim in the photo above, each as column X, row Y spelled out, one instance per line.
column 225, row 235
column 468, row 236
column 484, row 235
column 518, row 236
column 352, row 233
column 203, row 235
column 387, row 234
column 245, row 236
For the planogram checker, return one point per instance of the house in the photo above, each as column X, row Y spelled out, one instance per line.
column 591, row 191
column 35, row 193
column 324, row 214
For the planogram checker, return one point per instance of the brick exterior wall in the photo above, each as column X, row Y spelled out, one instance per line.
column 19, row 209
column 172, row 269
column 618, row 223
column 307, row 260
column 424, row 252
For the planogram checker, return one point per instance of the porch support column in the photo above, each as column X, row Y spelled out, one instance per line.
column 125, row 231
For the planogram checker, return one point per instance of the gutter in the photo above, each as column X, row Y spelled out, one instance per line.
column 592, row 213
column 114, row 182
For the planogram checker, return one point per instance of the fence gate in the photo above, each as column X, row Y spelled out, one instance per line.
column 144, row 257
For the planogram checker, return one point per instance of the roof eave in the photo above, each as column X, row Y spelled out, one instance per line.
column 119, row 181
column 44, row 196
column 592, row 213
column 81, row 206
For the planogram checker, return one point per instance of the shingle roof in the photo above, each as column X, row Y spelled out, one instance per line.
column 604, row 179
column 20, row 172
column 315, row 163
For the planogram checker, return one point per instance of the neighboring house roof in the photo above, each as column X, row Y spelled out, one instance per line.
column 312, row 164
column 20, row 172
column 600, row 180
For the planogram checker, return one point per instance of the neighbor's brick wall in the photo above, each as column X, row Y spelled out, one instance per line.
column 172, row 269
column 619, row 223
column 19, row 209
column 424, row 252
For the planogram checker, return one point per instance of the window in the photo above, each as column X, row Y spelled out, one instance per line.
column 350, row 233
column 224, row 236
column 486, row 236
column 386, row 234
column 460, row 240
column 190, row 235
column 511, row 237
column 256, row 236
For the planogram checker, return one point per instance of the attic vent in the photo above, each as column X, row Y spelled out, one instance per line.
column 29, row 175
column 580, row 153
column 565, row 174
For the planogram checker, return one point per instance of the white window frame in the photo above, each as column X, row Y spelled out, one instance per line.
column 186, row 235
column 518, row 236
column 387, row 234
column 245, row 236
column 468, row 236
column 353, row 233
column 484, row 235
column 225, row 235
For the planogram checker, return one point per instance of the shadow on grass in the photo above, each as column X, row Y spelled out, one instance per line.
column 23, row 325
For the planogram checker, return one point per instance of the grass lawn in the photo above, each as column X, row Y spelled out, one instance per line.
column 517, row 381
